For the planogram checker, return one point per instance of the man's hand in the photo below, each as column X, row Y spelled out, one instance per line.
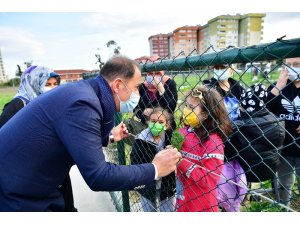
column 119, row 132
column 281, row 82
column 166, row 161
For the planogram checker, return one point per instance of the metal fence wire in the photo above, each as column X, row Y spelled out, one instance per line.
column 252, row 165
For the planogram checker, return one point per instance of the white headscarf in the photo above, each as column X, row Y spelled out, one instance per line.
column 33, row 79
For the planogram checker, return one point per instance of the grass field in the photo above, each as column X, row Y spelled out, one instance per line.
column 6, row 94
column 184, row 83
column 187, row 82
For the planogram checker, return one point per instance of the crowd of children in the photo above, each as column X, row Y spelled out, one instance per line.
column 232, row 137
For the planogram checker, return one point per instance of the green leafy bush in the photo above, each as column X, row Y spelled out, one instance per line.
column 264, row 207
column 177, row 140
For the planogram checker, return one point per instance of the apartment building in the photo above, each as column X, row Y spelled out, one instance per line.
column 159, row 45
column 203, row 39
column 185, row 40
column 171, row 45
column 3, row 77
column 71, row 75
column 220, row 32
column 227, row 30
column 251, row 29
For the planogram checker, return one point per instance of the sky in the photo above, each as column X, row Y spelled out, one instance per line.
column 67, row 34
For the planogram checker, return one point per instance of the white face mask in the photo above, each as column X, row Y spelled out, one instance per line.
column 293, row 73
column 130, row 104
column 45, row 89
column 150, row 79
column 221, row 74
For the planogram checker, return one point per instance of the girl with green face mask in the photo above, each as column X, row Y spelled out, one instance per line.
column 157, row 128
column 147, row 143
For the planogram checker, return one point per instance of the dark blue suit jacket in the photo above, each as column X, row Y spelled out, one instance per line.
column 66, row 126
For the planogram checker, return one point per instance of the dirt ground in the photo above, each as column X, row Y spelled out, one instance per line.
column 8, row 90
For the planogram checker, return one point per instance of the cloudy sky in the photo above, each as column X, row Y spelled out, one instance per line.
column 67, row 36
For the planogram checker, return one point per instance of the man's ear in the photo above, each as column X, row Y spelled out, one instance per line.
column 116, row 86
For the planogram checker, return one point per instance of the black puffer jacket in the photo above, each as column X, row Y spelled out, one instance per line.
column 255, row 142
column 144, row 152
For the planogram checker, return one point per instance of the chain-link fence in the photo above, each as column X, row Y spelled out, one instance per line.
column 245, row 159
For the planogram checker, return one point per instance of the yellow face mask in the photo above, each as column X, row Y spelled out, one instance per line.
column 190, row 118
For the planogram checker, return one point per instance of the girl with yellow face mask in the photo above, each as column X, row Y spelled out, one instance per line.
column 192, row 113
column 197, row 173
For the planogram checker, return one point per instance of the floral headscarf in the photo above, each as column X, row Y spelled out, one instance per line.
column 33, row 79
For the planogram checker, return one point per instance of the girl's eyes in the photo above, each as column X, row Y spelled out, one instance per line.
column 161, row 122
column 190, row 106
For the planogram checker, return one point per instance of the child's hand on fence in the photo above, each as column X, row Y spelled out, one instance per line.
column 120, row 132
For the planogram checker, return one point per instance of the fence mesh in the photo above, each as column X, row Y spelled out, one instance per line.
column 251, row 168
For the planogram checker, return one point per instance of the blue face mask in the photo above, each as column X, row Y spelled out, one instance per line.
column 130, row 104
column 293, row 73
column 150, row 79
column 221, row 75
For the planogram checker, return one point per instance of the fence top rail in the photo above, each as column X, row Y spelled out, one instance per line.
column 279, row 49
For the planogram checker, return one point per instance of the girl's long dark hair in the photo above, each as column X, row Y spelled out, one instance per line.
column 217, row 117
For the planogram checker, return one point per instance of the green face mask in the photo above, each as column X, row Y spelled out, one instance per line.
column 156, row 128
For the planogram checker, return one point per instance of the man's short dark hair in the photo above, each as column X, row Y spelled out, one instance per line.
column 119, row 66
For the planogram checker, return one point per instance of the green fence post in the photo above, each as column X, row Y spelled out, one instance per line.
column 122, row 161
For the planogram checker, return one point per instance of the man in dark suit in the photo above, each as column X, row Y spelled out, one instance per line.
column 68, row 126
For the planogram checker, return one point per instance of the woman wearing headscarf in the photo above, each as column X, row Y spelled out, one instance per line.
column 35, row 81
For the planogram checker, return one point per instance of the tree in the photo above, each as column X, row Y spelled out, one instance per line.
column 19, row 71
column 28, row 63
column 117, row 48
column 111, row 42
column 99, row 60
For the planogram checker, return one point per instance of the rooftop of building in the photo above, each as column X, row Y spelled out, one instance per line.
column 186, row 27
column 237, row 16
column 72, row 71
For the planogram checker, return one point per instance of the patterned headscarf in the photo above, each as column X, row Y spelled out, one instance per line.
column 33, row 79
column 254, row 97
